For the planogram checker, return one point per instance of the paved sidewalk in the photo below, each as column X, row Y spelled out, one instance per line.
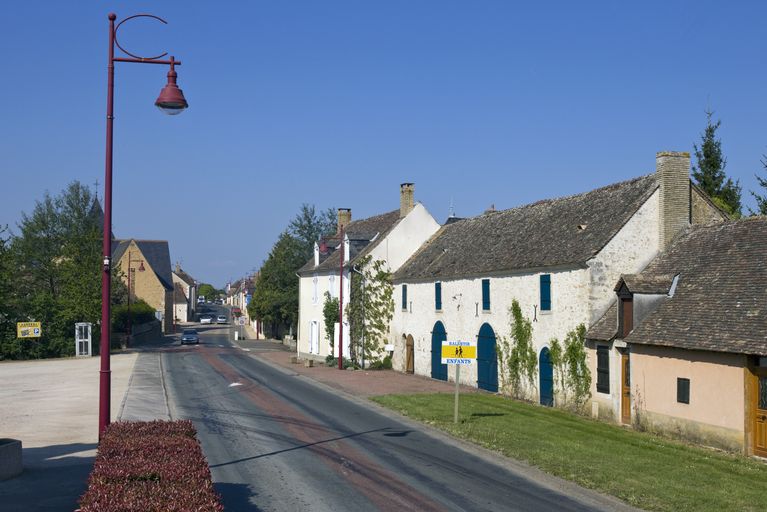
column 52, row 407
column 362, row 383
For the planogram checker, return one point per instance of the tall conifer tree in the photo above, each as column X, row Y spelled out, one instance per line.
column 709, row 171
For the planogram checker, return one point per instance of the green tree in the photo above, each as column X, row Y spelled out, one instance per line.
column 208, row 291
column 371, row 307
column 56, row 273
column 330, row 315
column 275, row 301
column 521, row 362
column 761, row 200
column 309, row 225
column 709, row 171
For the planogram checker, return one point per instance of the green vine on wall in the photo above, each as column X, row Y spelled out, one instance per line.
column 370, row 309
column 571, row 372
column 330, row 315
column 522, row 361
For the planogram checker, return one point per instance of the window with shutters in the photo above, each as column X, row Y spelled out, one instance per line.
column 404, row 297
column 545, row 292
column 486, row 295
column 683, row 391
column 603, row 369
column 438, row 296
column 315, row 297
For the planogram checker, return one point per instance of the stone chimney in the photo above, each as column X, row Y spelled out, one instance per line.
column 406, row 199
column 673, row 173
column 344, row 218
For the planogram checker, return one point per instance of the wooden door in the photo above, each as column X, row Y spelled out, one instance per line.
column 438, row 335
column 487, row 359
column 409, row 368
column 625, row 389
column 760, row 414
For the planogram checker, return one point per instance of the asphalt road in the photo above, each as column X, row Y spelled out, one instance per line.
column 276, row 441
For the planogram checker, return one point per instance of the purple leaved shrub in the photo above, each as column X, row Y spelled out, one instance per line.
column 150, row 466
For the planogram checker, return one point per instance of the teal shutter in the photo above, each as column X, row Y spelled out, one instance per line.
column 545, row 292
column 438, row 296
column 404, row 296
column 486, row 294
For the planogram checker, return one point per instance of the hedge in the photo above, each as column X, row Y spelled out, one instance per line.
column 150, row 466
column 140, row 313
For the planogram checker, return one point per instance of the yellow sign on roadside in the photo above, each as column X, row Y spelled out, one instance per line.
column 459, row 352
column 28, row 329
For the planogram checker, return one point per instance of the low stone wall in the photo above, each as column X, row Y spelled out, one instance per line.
column 10, row 458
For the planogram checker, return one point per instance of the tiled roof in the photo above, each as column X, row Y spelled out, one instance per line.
column 647, row 283
column 719, row 301
column 185, row 277
column 156, row 253
column 364, row 235
column 606, row 327
column 563, row 231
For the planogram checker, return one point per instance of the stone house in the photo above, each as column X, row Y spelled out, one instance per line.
column 153, row 284
column 692, row 329
column 188, row 287
column 391, row 237
column 559, row 258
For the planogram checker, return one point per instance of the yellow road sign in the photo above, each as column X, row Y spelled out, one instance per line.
column 28, row 329
column 459, row 352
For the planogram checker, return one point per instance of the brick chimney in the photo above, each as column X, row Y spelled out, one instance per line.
column 673, row 173
column 406, row 199
column 344, row 218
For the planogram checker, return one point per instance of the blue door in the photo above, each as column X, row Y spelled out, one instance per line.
column 546, row 372
column 438, row 335
column 487, row 360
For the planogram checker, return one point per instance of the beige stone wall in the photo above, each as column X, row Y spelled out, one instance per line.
column 146, row 285
column 715, row 415
column 703, row 212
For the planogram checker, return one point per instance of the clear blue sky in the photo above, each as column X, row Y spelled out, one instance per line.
column 335, row 103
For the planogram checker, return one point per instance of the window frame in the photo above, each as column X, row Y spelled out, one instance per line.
column 438, row 296
column 486, row 295
column 404, row 297
column 603, row 385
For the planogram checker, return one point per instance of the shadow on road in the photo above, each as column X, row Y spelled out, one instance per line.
column 236, row 497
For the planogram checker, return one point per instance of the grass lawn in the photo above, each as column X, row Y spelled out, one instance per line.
column 641, row 469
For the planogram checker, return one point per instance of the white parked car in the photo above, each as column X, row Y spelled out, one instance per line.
column 221, row 319
column 206, row 319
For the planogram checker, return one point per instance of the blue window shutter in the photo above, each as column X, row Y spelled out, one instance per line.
column 404, row 296
column 486, row 294
column 438, row 296
column 545, row 292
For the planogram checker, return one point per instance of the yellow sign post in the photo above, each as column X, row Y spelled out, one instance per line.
column 458, row 353
column 28, row 329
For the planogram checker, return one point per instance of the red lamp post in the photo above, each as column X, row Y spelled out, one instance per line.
column 171, row 101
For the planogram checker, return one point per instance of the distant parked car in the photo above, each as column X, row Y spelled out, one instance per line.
column 221, row 319
column 189, row 336
column 206, row 319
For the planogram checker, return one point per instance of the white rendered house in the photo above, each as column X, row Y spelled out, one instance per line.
column 391, row 237
column 559, row 258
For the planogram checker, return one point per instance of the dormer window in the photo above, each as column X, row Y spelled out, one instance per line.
column 625, row 311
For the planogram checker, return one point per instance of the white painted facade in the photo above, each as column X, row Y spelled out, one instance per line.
column 578, row 295
column 394, row 248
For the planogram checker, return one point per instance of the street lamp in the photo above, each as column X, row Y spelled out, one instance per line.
column 131, row 276
column 171, row 100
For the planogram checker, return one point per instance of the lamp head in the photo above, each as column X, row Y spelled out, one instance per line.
column 171, row 99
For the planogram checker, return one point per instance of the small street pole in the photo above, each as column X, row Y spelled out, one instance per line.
column 457, row 380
